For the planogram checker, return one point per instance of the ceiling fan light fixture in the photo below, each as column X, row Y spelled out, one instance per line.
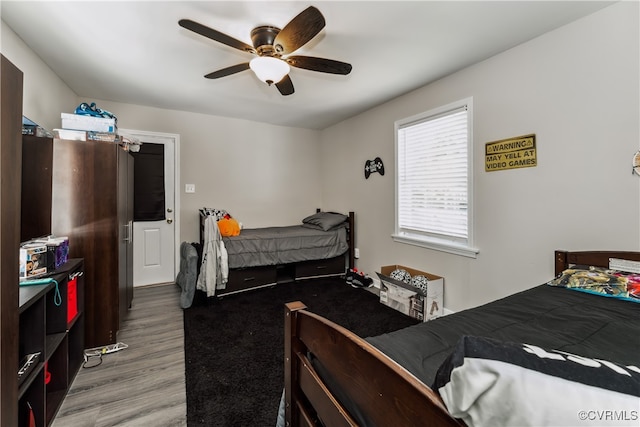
column 269, row 69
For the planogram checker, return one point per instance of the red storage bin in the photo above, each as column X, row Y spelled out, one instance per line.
column 72, row 299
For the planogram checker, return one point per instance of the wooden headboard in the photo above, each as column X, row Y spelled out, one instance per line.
column 564, row 259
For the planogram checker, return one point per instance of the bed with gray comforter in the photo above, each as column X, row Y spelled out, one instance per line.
column 284, row 245
column 319, row 246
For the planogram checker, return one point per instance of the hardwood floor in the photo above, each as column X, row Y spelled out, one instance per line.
column 142, row 385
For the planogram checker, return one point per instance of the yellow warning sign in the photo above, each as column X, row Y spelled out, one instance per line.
column 512, row 153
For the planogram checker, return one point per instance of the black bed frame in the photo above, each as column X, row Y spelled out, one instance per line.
column 244, row 279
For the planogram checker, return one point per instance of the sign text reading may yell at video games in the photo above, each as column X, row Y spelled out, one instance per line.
column 512, row 153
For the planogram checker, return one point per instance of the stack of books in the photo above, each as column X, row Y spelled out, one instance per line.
column 81, row 127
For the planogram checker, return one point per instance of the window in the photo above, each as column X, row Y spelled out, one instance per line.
column 433, row 179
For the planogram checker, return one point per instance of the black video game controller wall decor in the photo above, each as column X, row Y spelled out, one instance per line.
column 372, row 166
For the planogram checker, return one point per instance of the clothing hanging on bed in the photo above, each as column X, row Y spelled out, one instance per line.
column 214, row 270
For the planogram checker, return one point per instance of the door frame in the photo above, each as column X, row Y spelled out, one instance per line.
column 150, row 136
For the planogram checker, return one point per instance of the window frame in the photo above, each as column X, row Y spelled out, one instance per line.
column 453, row 245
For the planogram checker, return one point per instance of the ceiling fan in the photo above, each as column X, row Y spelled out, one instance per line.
column 273, row 47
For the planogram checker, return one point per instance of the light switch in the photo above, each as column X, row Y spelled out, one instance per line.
column 189, row 188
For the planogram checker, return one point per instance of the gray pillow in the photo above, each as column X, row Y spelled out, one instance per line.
column 325, row 220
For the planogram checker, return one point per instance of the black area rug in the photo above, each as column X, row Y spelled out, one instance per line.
column 234, row 346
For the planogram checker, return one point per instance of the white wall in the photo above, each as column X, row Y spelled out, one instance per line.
column 45, row 94
column 263, row 175
column 577, row 89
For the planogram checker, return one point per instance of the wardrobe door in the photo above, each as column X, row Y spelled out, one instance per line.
column 85, row 210
column 125, row 224
column 130, row 193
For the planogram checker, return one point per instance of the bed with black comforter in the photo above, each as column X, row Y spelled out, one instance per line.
column 566, row 352
column 550, row 317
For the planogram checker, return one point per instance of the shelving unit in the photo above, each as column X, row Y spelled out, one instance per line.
column 50, row 327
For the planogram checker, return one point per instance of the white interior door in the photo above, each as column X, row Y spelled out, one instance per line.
column 155, row 253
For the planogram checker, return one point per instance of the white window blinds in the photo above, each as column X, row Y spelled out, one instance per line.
column 433, row 176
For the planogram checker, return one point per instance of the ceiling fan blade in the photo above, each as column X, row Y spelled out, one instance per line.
column 228, row 71
column 319, row 64
column 215, row 35
column 299, row 30
column 285, row 86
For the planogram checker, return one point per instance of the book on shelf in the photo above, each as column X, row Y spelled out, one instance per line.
column 103, row 136
column 83, row 135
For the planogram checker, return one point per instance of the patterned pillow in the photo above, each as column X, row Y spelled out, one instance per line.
column 218, row 213
column 600, row 281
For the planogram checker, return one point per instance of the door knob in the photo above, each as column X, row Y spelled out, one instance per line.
column 169, row 220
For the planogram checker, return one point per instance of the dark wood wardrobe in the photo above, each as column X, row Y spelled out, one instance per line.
column 84, row 190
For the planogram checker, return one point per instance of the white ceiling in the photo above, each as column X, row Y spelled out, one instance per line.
column 135, row 52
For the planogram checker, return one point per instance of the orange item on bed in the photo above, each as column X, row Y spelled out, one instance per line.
column 229, row 227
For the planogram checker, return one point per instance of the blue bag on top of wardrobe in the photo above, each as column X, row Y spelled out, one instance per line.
column 86, row 109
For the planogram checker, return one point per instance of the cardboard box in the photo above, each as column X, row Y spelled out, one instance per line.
column 410, row 300
column 57, row 251
column 88, row 123
column 33, row 260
